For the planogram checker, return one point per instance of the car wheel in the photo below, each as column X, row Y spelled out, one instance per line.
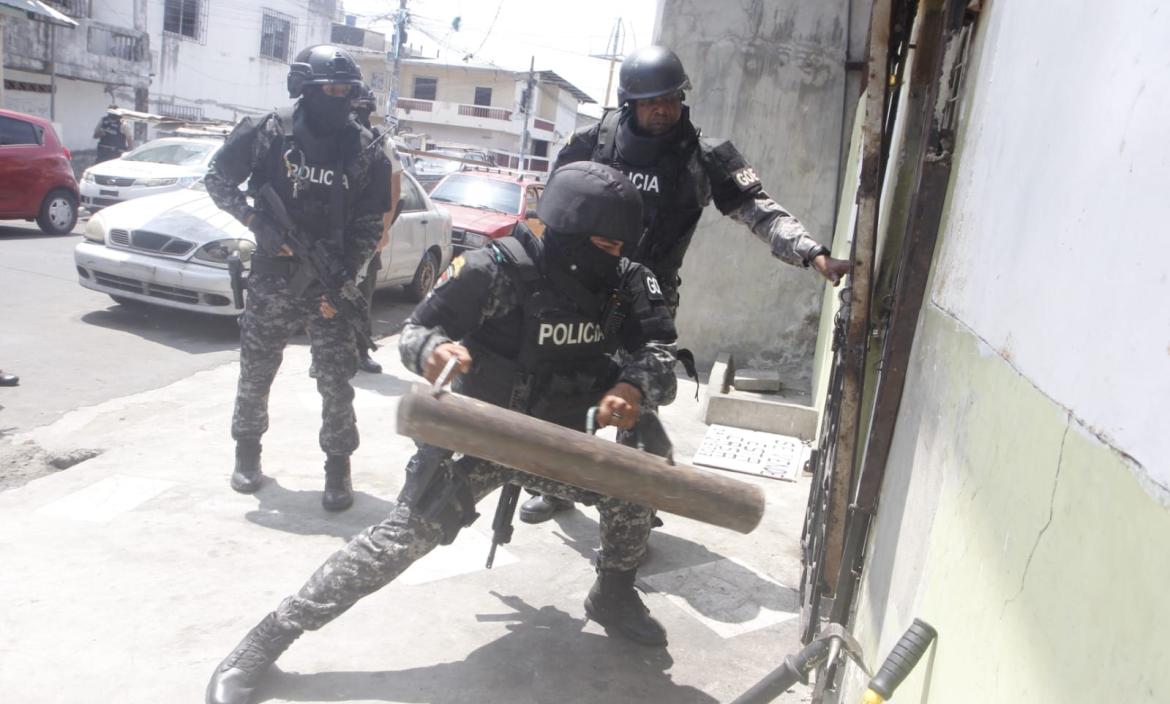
column 58, row 213
column 424, row 277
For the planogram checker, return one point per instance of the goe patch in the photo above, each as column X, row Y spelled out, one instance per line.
column 653, row 288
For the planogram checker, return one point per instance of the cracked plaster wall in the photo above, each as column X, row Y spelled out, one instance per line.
column 1024, row 510
column 770, row 76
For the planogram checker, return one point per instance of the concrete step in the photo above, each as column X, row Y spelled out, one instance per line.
column 786, row 411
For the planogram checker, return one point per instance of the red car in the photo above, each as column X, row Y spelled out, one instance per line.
column 485, row 204
column 36, row 178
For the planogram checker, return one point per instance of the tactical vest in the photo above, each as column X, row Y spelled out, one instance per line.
column 549, row 357
column 674, row 192
column 111, row 131
column 317, row 178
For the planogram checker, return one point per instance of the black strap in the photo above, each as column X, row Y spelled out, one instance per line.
column 606, row 146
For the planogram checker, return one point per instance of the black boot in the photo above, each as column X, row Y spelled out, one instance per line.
column 247, row 477
column 338, row 494
column 614, row 603
column 540, row 508
column 368, row 365
column 235, row 679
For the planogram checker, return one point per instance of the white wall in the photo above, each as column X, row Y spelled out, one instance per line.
column 1059, row 215
column 80, row 104
column 226, row 75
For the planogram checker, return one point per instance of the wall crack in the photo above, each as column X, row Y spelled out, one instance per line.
column 1047, row 523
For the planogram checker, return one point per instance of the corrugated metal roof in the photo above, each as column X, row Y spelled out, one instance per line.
column 35, row 10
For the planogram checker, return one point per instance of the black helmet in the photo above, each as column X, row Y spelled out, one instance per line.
column 364, row 99
column 649, row 73
column 585, row 198
column 321, row 64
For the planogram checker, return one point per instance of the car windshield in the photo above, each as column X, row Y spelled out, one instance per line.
column 176, row 153
column 477, row 192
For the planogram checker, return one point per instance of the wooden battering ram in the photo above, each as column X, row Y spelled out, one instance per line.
column 479, row 429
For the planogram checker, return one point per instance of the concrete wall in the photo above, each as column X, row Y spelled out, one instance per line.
column 770, row 76
column 1026, row 505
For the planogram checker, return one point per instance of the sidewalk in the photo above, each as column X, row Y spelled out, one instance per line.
column 127, row 577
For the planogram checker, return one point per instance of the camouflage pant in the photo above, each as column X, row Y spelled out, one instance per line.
column 272, row 315
column 377, row 555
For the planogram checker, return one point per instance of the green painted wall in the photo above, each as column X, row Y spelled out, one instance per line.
column 1029, row 544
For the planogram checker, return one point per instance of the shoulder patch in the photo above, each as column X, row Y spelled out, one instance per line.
column 653, row 288
column 452, row 271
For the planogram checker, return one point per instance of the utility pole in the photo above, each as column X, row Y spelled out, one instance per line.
column 615, row 51
column 526, row 108
column 399, row 32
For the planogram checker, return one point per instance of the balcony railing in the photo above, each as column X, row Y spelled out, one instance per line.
column 409, row 104
column 485, row 112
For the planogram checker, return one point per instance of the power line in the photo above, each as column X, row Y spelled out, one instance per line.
column 489, row 31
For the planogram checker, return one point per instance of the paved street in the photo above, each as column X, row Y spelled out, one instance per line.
column 73, row 347
column 130, row 567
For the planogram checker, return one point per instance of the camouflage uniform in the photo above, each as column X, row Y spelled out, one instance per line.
column 472, row 292
column 273, row 313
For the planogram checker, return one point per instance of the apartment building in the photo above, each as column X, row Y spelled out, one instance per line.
column 480, row 106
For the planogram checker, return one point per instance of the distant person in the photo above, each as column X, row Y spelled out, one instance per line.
column 8, row 379
column 113, row 135
column 364, row 106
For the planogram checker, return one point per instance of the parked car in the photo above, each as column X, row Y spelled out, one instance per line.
column 159, row 166
column 172, row 249
column 432, row 167
column 36, row 174
column 486, row 204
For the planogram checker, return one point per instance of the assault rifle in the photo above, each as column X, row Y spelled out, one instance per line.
column 318, row 264
column 509, row 493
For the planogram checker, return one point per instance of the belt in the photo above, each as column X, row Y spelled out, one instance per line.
column 284, row 267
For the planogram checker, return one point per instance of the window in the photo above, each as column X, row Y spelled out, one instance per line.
column 479, row 192
column 483, row 96
column 107, row 42
column 425, row 88
column 412, row 200
column 17, row 132
column 275, row 36
column 184, row 18
column 539, row 147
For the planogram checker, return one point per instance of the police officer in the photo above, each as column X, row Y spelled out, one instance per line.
column 487, row 313
column 363, row 107
column 650, row 138
column 334, row 182
column 113, row 135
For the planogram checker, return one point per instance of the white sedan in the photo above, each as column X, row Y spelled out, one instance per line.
column 159, row 166
column 172, row 250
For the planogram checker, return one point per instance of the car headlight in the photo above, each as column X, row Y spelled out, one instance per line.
column 150, row 182
column 473, row 240
column 88, row 177
column 216, row 253
column 95, row 229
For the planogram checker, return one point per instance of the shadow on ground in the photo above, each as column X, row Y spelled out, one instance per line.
column 300, row 512
column 741, row 594
column 194, row 333
column 517, row 667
